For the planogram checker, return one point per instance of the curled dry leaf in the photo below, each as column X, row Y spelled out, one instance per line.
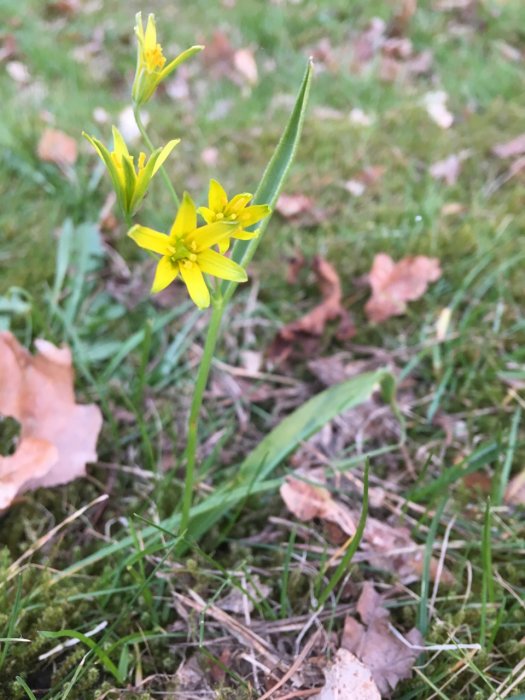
column 57, row 147
column 388, row 659
column 348, row 679
column 293, row 205
column 245, row 65
column 385, row 546
column 314, row 322
column 57, row 435
column 394, row 284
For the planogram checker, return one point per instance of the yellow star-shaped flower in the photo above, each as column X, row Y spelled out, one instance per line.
column 235, row 210
column 187, row 251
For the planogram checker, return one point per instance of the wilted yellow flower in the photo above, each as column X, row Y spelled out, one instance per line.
column 151, row 63
column 187, row 250
column 235, row 210
column 130, row 182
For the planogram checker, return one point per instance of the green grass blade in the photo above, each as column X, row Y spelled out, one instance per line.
column 101, row 655
column 352, row 549
column 274, row 176
column 25, row 687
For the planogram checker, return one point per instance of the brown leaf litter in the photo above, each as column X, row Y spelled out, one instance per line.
column 348, row 679
column 58, row 436
column 373, row 643
column 385, row 546
column 313, row 323
column 57, row 147
column 394, row 284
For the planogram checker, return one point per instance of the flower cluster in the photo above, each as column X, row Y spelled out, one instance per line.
column 187, row 251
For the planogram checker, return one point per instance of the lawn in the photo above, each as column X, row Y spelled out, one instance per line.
column 146, row 607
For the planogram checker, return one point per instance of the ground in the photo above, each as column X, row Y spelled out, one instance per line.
column 136, row 357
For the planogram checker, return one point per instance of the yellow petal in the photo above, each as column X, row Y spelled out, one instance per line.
column 186, row 219
column 243, row 235
column 224, row 245
column 251, row 215
column 119, row 145
column 165, row 273
column 150, row 38
column 215, row 264
column 217, row 197
column 207, row 214
column 168, row 148
column 149, row 239
column 238, row 203
column 209, row 235
column 180, row 59
column 139, row 27
column 197, row 288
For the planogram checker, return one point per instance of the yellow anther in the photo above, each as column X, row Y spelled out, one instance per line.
column 232, row 217
column 192, row 257
column 154, row 58
column 193, row 245
column 187, row 264
column 219, row 215
column 141, row 161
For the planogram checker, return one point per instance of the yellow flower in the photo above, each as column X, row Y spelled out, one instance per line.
column 151, row 68
column 235, row 210
column 187, row 250
column 130, row 182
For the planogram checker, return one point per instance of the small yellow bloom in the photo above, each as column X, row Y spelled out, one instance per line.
column 130, row 182
column 151, row 63
column 187, row 250
column 235, row 210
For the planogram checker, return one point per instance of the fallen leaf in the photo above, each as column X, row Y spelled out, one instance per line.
column 240, row 601
column 400, row 22
column 372, row 642
column 57, row 147
column 18, row 71
column 314, row 322
column 355, row 187
column 509, row 149
column 63, row 7
column 515, row 491
column 7, row 47
column 244, row 63
column 436, row 105
column 395, row 284
column 57, row 436
column 308, row 501
column 447, row 169
column 452, row 208
column 385, row 546
column 210, row 156
column 360, row 118
column 292, row 205
column 348, row 679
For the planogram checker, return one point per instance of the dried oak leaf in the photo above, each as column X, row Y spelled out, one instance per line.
column 515, row 492
column 388, row 659
column 57, row 436
column 394, row 284
column 314, row 322
column 348, row 679
column 57, row 147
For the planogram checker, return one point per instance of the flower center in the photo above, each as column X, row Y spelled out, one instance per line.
column 180, row 253
column 154, row 58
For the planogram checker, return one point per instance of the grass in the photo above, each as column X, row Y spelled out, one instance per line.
column 136, row 357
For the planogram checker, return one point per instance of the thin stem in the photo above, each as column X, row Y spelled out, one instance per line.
column 149, row 144
column 193, row 423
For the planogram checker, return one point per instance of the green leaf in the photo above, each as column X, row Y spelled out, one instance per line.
column 251, row 478
column 274, row 176
column 101, row 655
column 287, row 436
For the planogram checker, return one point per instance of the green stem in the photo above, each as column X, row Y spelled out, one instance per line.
column 149, row 144
column 193, row 423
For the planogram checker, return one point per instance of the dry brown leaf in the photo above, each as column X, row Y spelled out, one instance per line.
column 395, row 284
column 515, row 491
column 388, row 659
column 57, row 147
column 8, row 47
column 447, row 169
column 348, row 679
column 509, row 149
column 314, row 322
column 385, row 546
column 292, row 205
column 245, row 65
column 57, row 436
column 307, row 501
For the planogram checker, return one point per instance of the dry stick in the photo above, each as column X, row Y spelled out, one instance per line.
column 440, row 566
column 294, row 667
column 15, row 566
column 242, row 633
